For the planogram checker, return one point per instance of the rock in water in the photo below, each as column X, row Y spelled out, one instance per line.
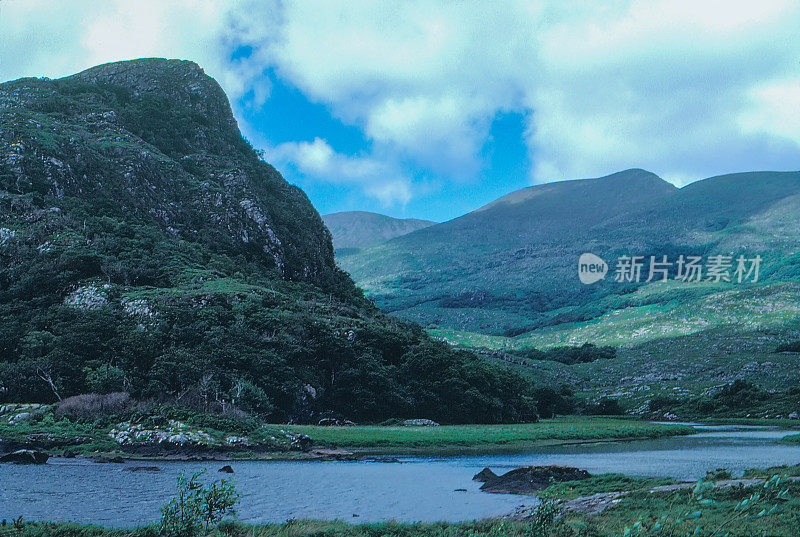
column 485, row 475
column 227, row 469
column 26, row 456
column 530, row 479
column 142, row 469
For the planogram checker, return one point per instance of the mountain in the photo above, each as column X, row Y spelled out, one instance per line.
column 504, row 277
column 146, row 247
column 359, row 229
column 507, row 264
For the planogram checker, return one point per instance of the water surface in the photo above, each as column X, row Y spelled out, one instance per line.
column 419, row 489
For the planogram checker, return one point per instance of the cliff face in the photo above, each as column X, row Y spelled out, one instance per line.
column 154, row 141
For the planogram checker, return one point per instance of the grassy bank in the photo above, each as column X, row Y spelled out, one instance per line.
column 563, row 429
column 246, row 438
column 791, row 439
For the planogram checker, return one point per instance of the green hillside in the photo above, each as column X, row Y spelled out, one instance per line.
column 353, row 230
column 145, row 247
column 504, row 277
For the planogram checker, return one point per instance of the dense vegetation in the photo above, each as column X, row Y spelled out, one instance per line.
column 738, row 399
column 146, row 248
column 568, row 355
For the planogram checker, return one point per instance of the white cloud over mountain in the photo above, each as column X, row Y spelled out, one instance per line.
column 685, row 89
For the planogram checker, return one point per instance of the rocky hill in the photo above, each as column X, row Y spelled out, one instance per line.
column 145, row 247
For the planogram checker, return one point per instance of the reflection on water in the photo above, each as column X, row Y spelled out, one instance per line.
column 422, row 488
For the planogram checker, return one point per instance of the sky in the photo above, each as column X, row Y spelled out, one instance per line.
column 431, row 109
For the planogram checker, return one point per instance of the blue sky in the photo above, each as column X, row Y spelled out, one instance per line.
column 430, row 109
column 288, row 116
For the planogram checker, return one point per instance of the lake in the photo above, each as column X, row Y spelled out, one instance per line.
column 419, row 489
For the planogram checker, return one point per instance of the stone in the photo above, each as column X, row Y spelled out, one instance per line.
column 530, row 479
column 328, row 422
column 420, row 422
column 227, row 469
column 142, row 469
column 485, row 475
column 25, row 456
column 22, row 416
column 794, row 416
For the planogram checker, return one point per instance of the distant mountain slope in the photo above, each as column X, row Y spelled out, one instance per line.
column 510, row 266
column 145, row 247
column 359, row 229
column 506, row 266
column 505, row 277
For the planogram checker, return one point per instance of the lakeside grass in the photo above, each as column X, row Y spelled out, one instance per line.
column 791, row 439
column 564, row 429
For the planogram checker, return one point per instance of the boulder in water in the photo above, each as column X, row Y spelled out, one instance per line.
column 25, row 456
column 485, row 475
column 530, row 479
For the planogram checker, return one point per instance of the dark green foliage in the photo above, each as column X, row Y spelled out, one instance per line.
column 551, row 402
column 154, row 253
column 569, row 355
column 197, row 507
column 606, row 406
column 792, row 346
column 738, row 399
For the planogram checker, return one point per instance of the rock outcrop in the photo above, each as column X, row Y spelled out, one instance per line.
column 25, row 456
column 531, row 479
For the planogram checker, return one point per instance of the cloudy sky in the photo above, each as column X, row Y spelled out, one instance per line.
column 430, row 109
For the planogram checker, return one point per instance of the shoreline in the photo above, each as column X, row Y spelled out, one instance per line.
column 323, row 453
column 350, row 443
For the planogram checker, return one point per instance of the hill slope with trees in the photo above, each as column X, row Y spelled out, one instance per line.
column 145, row 247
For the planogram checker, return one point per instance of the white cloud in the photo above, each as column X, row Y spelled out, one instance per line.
column 684, row 88
column 662, row 85
column 54, row 38
column 775, row 110
column 319, row 161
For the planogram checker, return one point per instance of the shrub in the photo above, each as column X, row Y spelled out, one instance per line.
column 197, row 506
column 607, row 406
column 90, row 406
column 252, row 399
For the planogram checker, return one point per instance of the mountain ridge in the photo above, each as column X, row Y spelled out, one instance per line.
column 360, row 229
column 505, row 279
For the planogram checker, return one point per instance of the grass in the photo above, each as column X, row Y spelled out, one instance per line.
column 791, row 439
column 602, row 483
column 488, row 436
column 92, row 437
column 707, row 514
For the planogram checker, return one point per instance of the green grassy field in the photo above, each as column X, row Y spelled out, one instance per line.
column 487, row 436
